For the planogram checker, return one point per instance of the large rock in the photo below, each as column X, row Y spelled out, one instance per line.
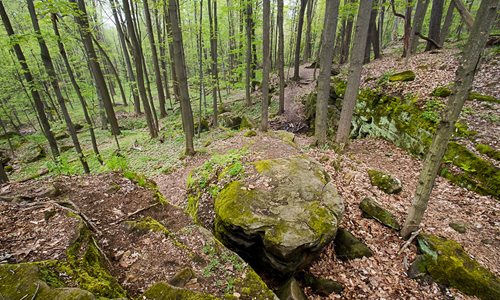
column 230, row 120
column 284, row 214
column 402, row 76
column 447, row 263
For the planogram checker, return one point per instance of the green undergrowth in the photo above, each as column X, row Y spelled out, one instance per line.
column 207, row 178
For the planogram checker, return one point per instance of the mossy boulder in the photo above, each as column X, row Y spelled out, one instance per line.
column 230, row 120
column 402, row 76
column 347, row 246
column 284, row 223
column 202, row 126
column 247, row 123
column 250, row 133
column 447, row 263
column 385, row 182
column 442, row 91
column 31, row 280
column 285, row 136
column 165, row 291
column 482, row 97
column 31, row 152
column 488, row 151
column 372, row 209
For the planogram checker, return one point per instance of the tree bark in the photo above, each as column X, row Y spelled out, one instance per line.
column 346, row 41
column 308, row 44
column 248, row 69
column 154, row 57
column 102, row 90
column 354, row 77
column 464, row 13
column 281, row 58
column 213, row 55
column 180, row 67
column 266, row 65
column 418, row 20
column 49, row 68
column 372, row 38
column 469, row 64
column 325, row 69
column 435, row 24
column 138, row 61
column 447, row 23
column 40, row 107
column 296, row 75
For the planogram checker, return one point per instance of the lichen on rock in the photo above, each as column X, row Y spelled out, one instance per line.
column 403, row 76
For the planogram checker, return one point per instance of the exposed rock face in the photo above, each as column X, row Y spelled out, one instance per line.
column 292, row 290
column 347, row 246
column 285, row 221
column 447, row 263
column 230, row 120
column 372, row 209
column 385, row 182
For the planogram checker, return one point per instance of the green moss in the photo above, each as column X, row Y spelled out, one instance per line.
column 372, row 209
column 230, row 203
column 148, row 224
column 402, row 76
column 481, row 97
column 247, row 123
column 263, row 166
column 476, row 174
column 442, row 91
column 488, row 151
column 385, row 182
column 252, row 286
column 447, row 263
column 250, row 133
column 321, row 221
column 462, row 130
column 164, row 291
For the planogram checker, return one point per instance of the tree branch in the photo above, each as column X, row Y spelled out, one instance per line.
column 428, row 40
column 395, row 12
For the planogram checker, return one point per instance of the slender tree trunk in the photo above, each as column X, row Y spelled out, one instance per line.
column 138, row 61
column 62, row 52
column 102, row 90
column 464, row 13
column 447, row 23
column 266, row 65
column 128, row 63
column 346, row 44
column 381, row 20
column 49, row 68
column 418, row 20
column 407, row 36
column 308, row 44
column 435, row 24
column 154, row 56
column 296, row 75
column 372, row 38
column 281, row 58
column 40, row 108
column 200, row 64
column 325, row 69
column 248, row 83
column 3, row 175
column 163, row 60
column 171, row 52
column 232, row 41
column 469, row 64
column 354, row 77
column 180, row 66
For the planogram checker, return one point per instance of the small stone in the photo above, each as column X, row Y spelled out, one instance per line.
column 403, row 76
column 372, row 209
column 459, row 226
column 347, row 246
column 385, row 182
column 182, row 277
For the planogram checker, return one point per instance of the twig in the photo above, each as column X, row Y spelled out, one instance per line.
column 102, row 252
column 408, row 242
column 75, row 210
column 36, row 291
column 134, row 213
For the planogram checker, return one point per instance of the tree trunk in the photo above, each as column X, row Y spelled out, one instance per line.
column 372, row 38
column 163, row 59
column 138, row 61
column 171, row 51
column 281, row 58
column 128, row 63
column 435, row 24
column 3, row 175
column 354, row 77
column 308, row 44
column 200, row 64
column 154, row 57
column 83, row 103
column 49, row 68
column 40, row 108
column 248, row 77
column 296, row 75
column 102, row 90
column 469, row 64
column 213, row 55
column 381, row 24
column 266, row 65
column 346, row 43
column 325, row 69
column 447, row 23
column 464, row 13
column 407, row 36
column 180, row 67
column 418, row 20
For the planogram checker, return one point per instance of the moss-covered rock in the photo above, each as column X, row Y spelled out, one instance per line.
column 385, row 182
column 447, row 263
column 284, row 224
column 182, row 277
column 285, row 136
column 250, row 133
column 402, row 76
column 442, row 91
column 165, row 291
column 372, row 209
column 247, row 123
column 31, row 152
column 347, row 246
column 230, row 120
column 481, row 97
column 488, row 151
column 202, row 126
column 31, row 280
column 460, row 227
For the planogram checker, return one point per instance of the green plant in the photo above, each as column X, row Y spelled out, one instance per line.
column 432, row 109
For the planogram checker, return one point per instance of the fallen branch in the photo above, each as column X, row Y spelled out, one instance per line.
column 395, row 12
column 409, row 241
column 76, row 211
column 134, row 213
column 36, row 291
column 436, row 44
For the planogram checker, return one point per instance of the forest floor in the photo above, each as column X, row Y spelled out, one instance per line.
column 109, row 198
